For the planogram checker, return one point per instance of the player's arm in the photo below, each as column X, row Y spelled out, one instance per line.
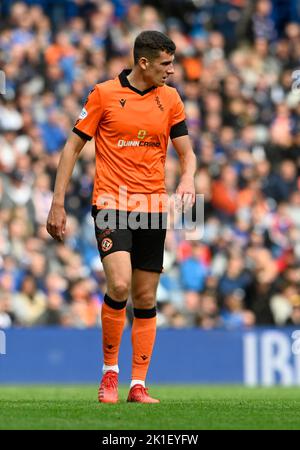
column 56, row 222
column 186, row 188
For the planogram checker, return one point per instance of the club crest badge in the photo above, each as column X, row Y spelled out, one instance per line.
column 106, row 244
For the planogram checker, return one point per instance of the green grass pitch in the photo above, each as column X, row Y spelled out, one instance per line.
column 182, row 407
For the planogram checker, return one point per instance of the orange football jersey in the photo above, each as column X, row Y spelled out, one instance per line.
column 131, row 130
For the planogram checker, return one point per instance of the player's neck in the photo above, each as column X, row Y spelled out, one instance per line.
column 137, row 81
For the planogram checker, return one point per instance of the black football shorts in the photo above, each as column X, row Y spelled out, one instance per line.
column 141, row 234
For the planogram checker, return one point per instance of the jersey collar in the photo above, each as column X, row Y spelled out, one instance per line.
column 125, row 83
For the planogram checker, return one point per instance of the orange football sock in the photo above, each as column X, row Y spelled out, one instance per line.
column 113, row 317
column 142, row 337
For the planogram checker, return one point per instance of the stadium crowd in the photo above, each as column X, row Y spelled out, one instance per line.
column 233, row 69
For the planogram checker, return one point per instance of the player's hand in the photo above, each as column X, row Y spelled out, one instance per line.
column 185, row 193
column 56, row 222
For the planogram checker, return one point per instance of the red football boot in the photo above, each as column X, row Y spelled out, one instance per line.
column 139, row 394
column 108, row 389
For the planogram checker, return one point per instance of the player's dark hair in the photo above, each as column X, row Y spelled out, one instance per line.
column 150, row 43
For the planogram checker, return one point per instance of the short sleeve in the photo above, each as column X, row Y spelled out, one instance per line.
column 90, row 115
column 178, row 114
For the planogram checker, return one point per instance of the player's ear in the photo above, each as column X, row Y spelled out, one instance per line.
column 143, row 63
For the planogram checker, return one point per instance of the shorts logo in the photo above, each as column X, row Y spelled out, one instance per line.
column 141, row 134
column 83, row 114
column 106, row 244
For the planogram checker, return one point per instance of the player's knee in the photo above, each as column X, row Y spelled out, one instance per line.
column 144, row 301
column 119, row 290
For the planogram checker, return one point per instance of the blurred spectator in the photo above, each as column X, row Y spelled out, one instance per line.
column 7, row 318
column 262, row 21
column 53, row 314
column 281, row 304
column 29, row 303
column 235, row 278
column 193, row 269
column 225, row 193
column 234, row 314
column 208, row 315
column 294, row 318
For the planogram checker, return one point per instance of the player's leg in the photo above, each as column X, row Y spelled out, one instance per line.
column 144, row 286
column 117, row 268
column 114, row 246
column 147, row 258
